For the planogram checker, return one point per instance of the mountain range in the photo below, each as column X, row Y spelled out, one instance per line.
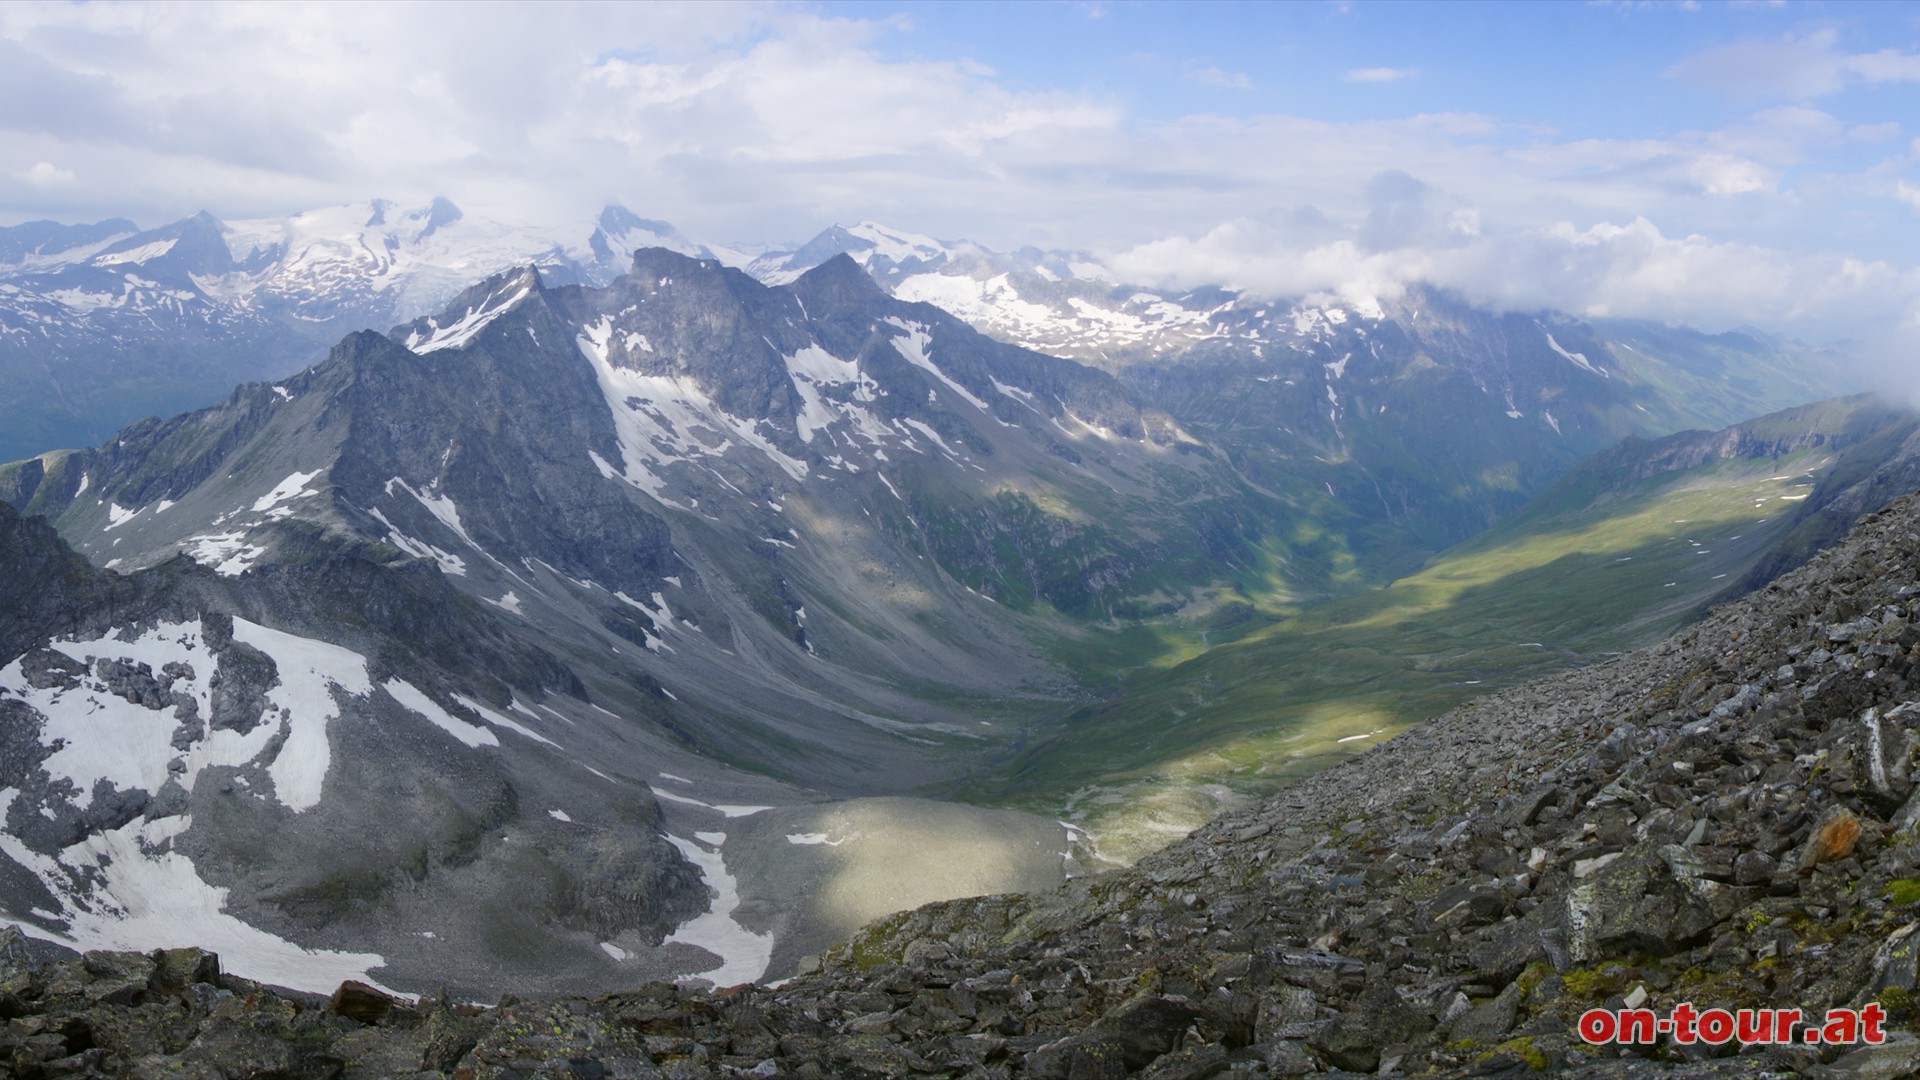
column 669, row 589
column 103, row 324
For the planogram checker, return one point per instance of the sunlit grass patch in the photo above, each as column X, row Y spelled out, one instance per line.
column 1197, row 726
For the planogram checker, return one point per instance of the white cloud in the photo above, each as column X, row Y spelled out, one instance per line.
column 1868, row 133
column 1628, row 268
column 1887, row 65
column 1213, row 76
column 1379, row 74
column 1721, row 174
column 753, row 122
column 45, row 174
column 1907, row 193
column 1798, row 67
column 744, row 118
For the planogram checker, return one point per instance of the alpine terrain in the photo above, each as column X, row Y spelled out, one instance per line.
column 1724, row 818
column 684, row 542
column 602, row 628
column 103, row 324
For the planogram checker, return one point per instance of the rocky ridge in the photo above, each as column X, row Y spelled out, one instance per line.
column 103, row 324
column 1726, row 818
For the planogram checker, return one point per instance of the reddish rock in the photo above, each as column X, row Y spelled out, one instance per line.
column 357, row 1001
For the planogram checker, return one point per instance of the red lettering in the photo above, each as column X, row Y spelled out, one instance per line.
column 1716, row 1026
column 1637, row 1026
column 1684, row 1018
column 1871, row 1017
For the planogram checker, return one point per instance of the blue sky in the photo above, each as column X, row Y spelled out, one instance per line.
column 1715, row 163
column 1543, row 72
column 1600, row 69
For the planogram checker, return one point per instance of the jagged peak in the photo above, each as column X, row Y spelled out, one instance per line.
column 839, row 280
column 657, row 261
column 615, row 218
column 471, row 311
column 618, row 230
column 897, row 244
column 437, row 214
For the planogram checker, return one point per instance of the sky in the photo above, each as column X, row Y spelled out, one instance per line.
column 1713, row 164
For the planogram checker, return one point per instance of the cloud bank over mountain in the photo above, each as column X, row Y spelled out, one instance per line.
column 1747, row 168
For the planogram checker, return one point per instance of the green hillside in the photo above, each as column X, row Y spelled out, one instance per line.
column 1605, row 561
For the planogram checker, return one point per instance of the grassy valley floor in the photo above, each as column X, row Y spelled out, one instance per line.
column 1200, row 726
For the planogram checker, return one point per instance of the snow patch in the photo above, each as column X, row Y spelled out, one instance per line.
column 440, row 506
column 106, row 737
column 1578, row 360
column 142, row 254
column 725, row 809
column 914, row 347
column 812, row 838
column 896, row 245
column 420, row 549
column 502, row 721
column 472, row 322
column 309, row 672
column 661, row 419
column 1022, row 396
column 102, row 736
column 744, row 955
column 293, row 487
column 228, row 554
column 416, row 701
column 923, row 429
column 993, row 302
column 814, row 367
column 147, row 896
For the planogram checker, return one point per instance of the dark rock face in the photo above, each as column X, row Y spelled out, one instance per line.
column 240, row 684
column 1725, row 818
column 46, row 585
column 322, row 871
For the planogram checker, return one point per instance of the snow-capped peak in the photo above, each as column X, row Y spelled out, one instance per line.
column 620, row 232
column 895, row 244
column 884, row 251
column 506, row 292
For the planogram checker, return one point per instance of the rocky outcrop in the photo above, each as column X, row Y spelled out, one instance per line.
column 1727, row 818
column 417, row 821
